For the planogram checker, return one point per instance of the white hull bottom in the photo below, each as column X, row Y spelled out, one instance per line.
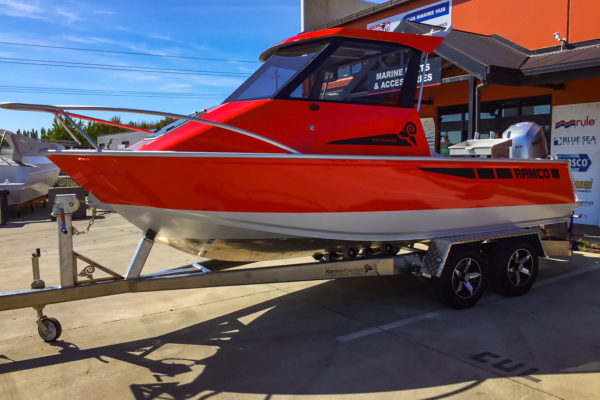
column 245, row 236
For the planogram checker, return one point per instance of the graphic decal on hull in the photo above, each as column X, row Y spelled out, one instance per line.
column 500, row 173
column 406, row 138
column 460, row 172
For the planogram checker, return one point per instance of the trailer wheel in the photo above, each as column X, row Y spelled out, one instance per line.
column 52, row 331
column 514, row 267
column 463, row 280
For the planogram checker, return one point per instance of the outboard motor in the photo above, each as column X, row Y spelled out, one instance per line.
column 528, row 140
column 521, row 140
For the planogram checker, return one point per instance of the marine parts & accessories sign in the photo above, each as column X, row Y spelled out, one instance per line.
column 576, row 137
column 439, row 13
column 391, row 79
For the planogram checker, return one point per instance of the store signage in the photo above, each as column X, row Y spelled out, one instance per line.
column 576, row 137
column 579, row 162
column 575, row 122
column 391, row 79
column 433, row 72
column 573, row 140
column 439, row 13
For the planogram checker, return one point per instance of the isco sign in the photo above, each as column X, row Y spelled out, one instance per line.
column 579, row 162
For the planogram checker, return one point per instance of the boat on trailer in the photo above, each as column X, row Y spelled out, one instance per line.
column 320, row 151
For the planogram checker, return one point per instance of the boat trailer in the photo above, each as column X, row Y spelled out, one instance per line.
column 457, row 266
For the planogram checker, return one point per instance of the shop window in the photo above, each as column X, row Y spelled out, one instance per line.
column 451, row 117
column 495, row 117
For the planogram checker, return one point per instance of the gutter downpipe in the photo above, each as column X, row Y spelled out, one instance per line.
column 478, row 103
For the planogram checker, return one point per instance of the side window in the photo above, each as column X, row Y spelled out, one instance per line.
column 365, row 73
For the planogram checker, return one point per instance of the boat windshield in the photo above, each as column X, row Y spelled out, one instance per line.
column 348, row 71
column 277, row 72
column 362, row 72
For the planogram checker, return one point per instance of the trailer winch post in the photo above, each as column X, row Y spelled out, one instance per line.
column 64, row 207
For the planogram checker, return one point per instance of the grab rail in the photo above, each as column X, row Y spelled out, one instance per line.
column 59, row 111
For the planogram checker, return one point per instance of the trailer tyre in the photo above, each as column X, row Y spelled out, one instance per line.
column 463, row 280
column 514, row 267
column 53, row 329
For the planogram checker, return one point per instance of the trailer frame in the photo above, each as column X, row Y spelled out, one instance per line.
column 460, row 286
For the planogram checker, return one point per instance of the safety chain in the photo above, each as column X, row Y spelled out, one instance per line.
column 86, row 230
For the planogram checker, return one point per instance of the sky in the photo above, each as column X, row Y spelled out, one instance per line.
column 213, row 46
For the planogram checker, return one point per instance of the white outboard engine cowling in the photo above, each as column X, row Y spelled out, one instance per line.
column 528, row 140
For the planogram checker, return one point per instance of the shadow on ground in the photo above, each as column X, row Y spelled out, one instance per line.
column 288, row 345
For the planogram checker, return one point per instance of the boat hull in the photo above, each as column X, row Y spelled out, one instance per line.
column 234, row 206
column 27, row 181
column 263, row 236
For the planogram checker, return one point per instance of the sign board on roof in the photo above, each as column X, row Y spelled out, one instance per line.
column 439, row 13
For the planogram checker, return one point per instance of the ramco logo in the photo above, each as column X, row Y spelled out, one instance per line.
column 575, row 122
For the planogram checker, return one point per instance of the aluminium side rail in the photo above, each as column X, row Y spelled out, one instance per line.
column 61, row 111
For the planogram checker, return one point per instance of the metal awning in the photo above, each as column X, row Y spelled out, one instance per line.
column 496, row 60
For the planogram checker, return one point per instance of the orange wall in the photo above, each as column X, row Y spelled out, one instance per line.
column 581, row 91
column 584, row 20
column 530, row 23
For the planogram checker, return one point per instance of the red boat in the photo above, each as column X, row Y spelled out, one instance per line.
column 320, row 149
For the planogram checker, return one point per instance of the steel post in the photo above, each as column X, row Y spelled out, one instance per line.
column 141, row 255
column 65, row 251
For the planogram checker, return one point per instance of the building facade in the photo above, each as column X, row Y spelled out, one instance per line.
column 505, row 62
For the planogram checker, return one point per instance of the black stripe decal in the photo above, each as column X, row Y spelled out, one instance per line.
column 379, row 140
column 460, row 172
column 486, row 173
column 504, row 173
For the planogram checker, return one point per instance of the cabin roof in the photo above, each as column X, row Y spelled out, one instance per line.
column 426, row 44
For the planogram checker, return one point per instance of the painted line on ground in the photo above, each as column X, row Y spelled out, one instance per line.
column 391, row 325
column 565, row 276
column 435, row 314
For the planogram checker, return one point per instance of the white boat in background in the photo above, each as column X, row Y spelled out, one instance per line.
column 24, row 173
